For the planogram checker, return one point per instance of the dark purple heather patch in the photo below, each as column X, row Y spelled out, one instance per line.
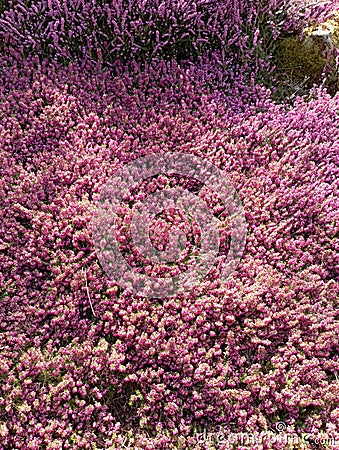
column 107, row 31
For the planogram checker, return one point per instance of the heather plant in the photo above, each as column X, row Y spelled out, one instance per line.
column 131, row 29
column 87, row 364
column 239, row 36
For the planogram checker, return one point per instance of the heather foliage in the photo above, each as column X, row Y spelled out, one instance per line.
column 123, row 29
column 105, row 31
column 86, row 364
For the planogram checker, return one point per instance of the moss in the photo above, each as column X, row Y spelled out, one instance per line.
column 304, row 60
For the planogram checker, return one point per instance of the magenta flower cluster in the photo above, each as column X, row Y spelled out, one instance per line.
column 85, row 364
column 263, row 347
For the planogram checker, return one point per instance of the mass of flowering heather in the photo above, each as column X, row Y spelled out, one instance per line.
column 86, row 87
